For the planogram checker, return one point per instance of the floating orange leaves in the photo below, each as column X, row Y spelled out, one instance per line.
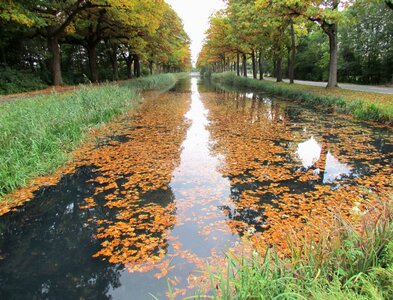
column 272, row 191
column 267, row 193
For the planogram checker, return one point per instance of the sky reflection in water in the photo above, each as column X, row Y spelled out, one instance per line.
column 310, row 153
column 243, row 153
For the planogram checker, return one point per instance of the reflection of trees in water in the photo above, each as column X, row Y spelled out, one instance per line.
column 252, row 109
column 182, row 86
column 122, row 211
column 206, row 85
column 260, row 107
column 46, row 248
column 343, row 145
column 341, row 142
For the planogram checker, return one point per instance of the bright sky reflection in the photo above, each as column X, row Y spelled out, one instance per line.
column 309, row 153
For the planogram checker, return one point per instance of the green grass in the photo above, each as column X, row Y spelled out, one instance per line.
column 37, row 134
column 347, row 264
column 361, row 105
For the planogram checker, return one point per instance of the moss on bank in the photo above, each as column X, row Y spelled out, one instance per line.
column 361, row 105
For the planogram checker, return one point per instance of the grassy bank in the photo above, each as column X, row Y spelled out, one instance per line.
column 37, row 134
column 361, row 105
column 348, row 263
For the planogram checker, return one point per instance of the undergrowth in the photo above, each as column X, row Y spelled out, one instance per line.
column 361, row 109
column 15, row 81
column 37, row 134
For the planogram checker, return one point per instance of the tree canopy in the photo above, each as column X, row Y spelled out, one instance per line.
column 328, row 40
column 84, row 37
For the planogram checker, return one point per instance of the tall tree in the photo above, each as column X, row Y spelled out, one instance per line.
column 54, row 19
column 325, row 13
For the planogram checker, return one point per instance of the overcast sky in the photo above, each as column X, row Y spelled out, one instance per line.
column 195, row 15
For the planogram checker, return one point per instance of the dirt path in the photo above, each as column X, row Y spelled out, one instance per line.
column 50, row 90
column 47, row 91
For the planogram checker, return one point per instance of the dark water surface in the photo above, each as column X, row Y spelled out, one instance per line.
column 242, row 151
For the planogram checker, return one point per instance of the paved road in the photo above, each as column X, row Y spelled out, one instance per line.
column 347, row 86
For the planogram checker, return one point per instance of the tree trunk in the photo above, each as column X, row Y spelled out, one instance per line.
column 113, row 60
column 279, row 69
column 331, row 31
column 321, row 163
column 55, row 61
column 115, row 65
column 3, row 56
column 244, row 65
column 293, row 56
column 274, row 68
column 129, row 60
column 92, row 53
column 137, row 66
column 261, row 70
column 115, row 70
column 238, row 64
column 151, row 67
column 254, row 65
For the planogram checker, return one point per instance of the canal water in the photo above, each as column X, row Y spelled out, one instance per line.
column 198, row 171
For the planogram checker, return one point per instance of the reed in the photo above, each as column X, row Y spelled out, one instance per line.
column 349, row 263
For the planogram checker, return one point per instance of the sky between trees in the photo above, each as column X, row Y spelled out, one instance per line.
column 195, row 16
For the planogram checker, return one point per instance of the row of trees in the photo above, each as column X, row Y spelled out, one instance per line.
column 268, row 33
column 80, row 37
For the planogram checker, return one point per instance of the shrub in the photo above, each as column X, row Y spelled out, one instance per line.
column 15, row 81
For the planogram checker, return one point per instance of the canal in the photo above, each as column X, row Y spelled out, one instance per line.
column 196, row 172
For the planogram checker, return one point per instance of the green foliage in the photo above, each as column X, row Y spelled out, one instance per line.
column 14, row 11
column 14, row 81
column 362, row 29
column 347, row 264
column 37, row 134
column 311, row 58
column 360, row 109
column 206, row 71
column 98, row 39
column 366, row 54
